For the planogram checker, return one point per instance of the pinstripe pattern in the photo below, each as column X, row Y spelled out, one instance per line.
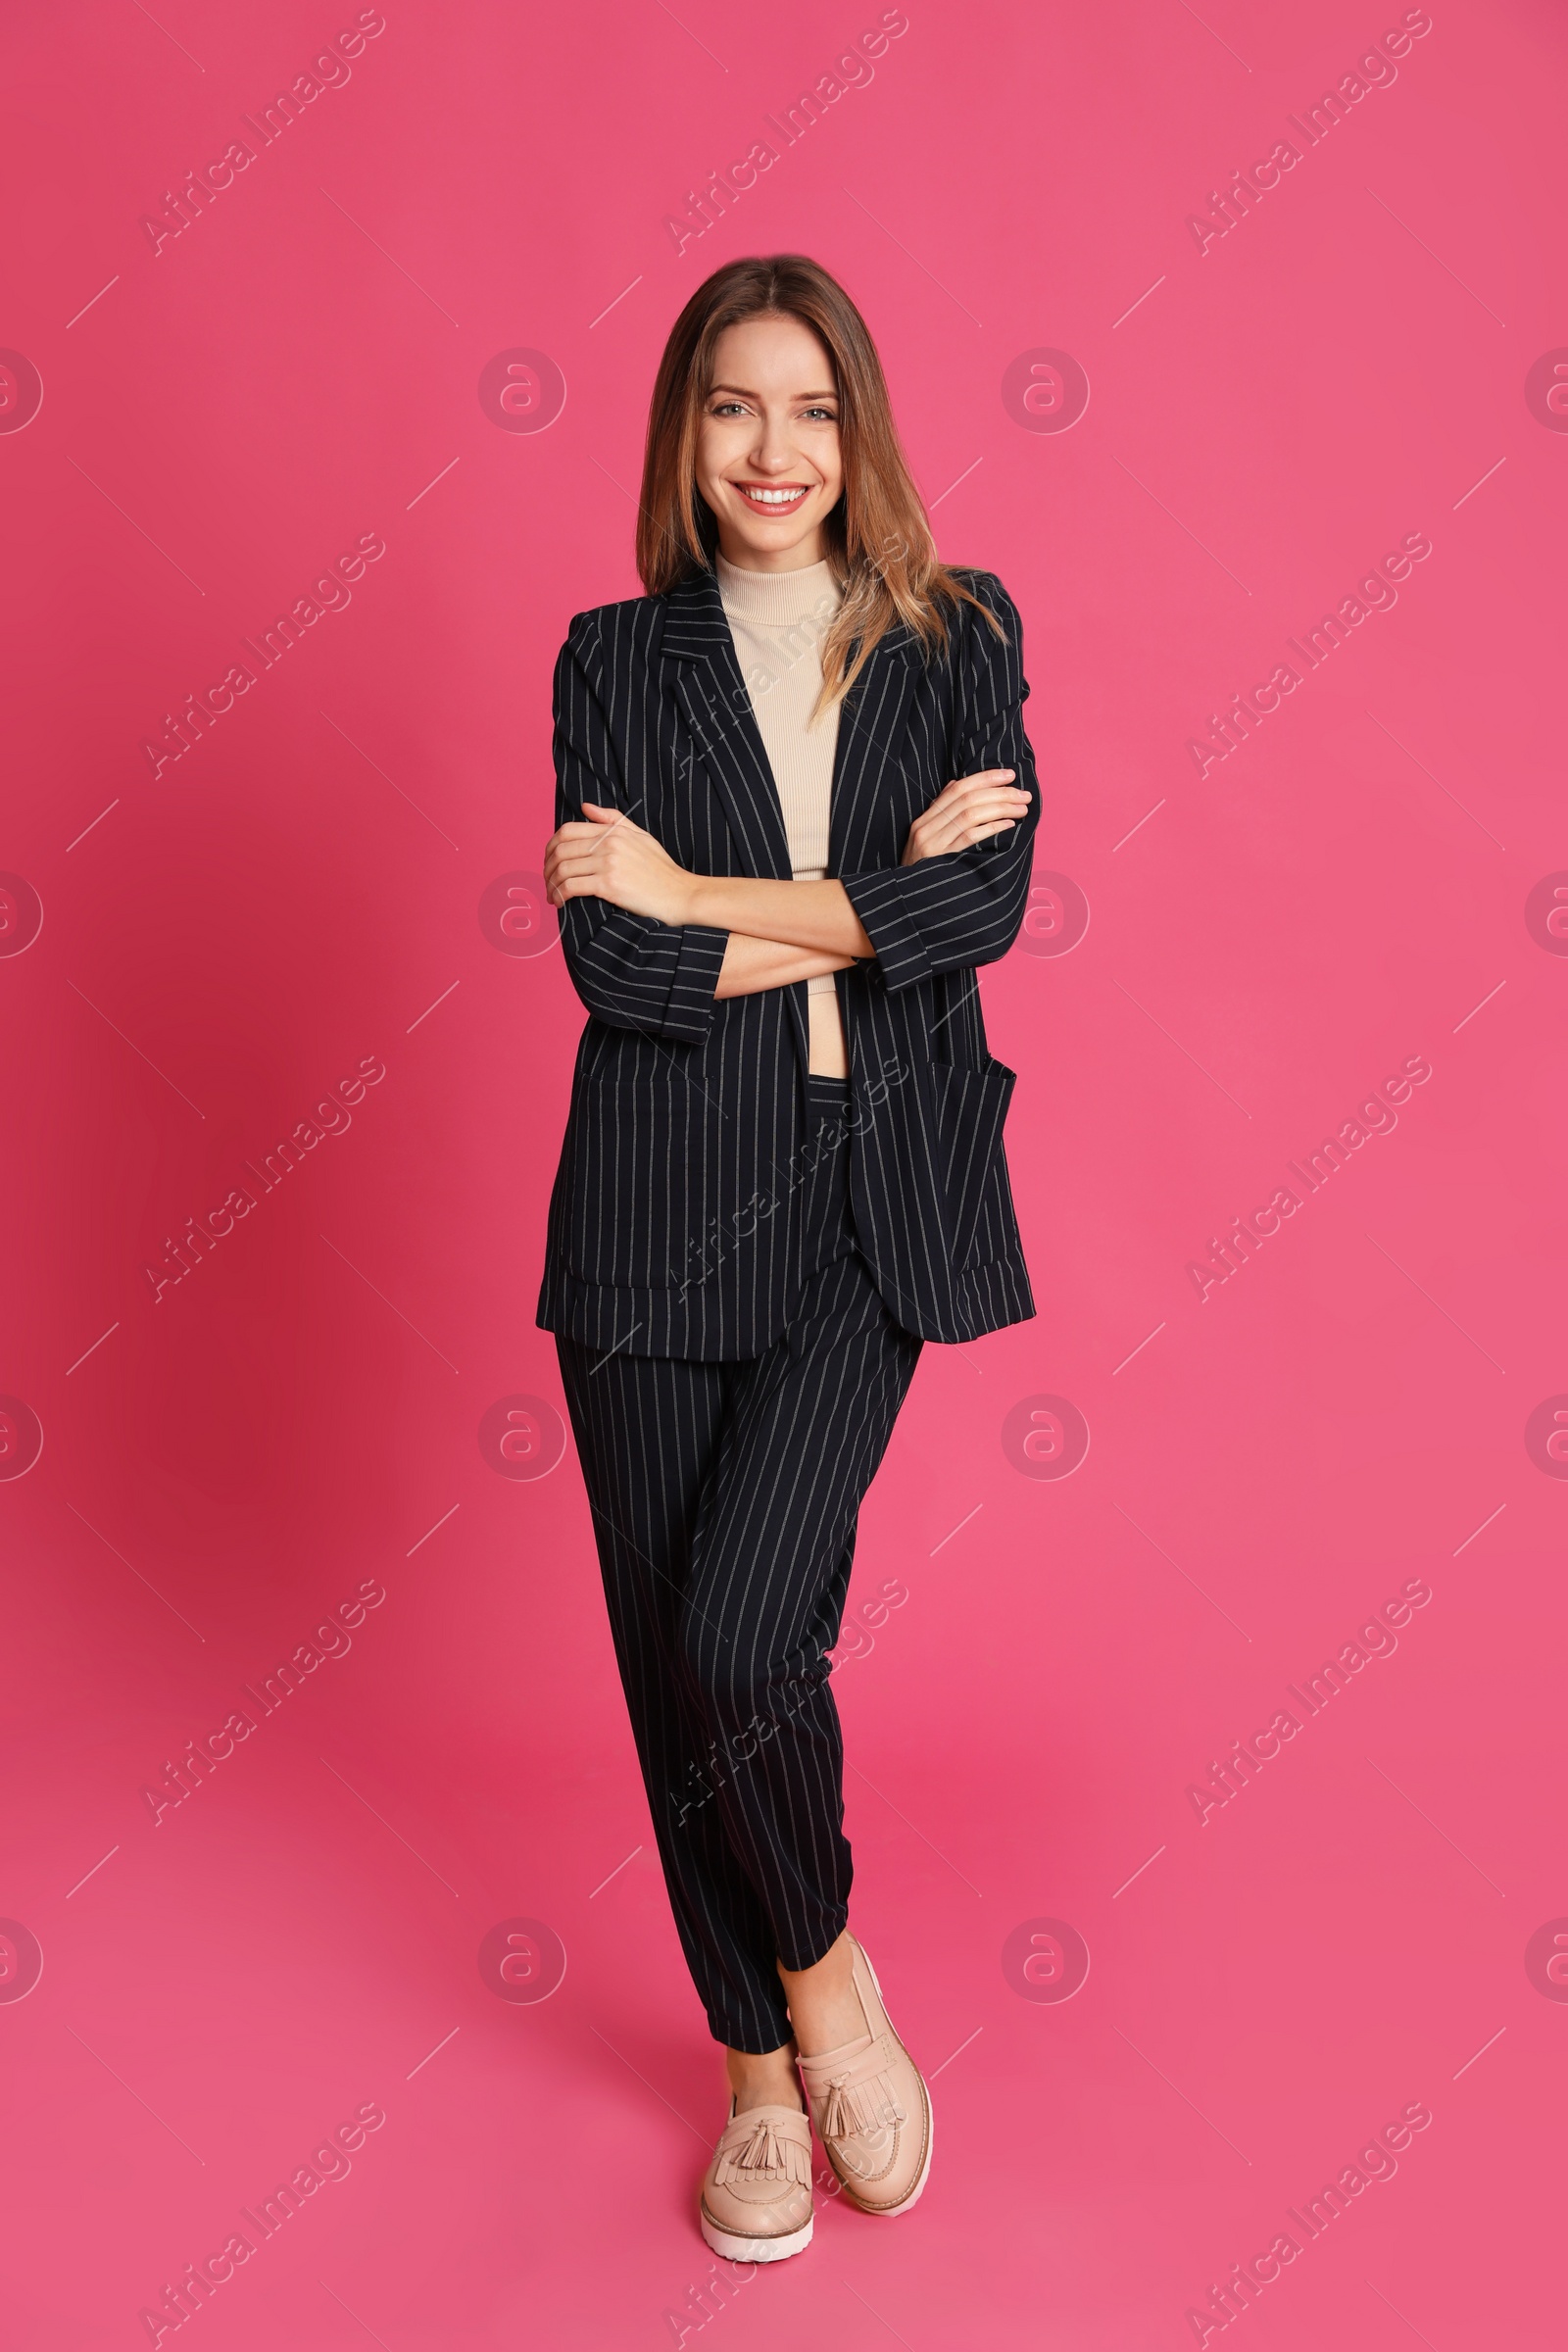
column 724, row 1498
column 778, row 620
column 675, row 1223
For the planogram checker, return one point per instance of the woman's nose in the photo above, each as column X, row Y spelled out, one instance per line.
column 771, row 452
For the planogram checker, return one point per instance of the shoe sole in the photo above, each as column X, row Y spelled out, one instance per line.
column 753, row 2249
column 888, row 2213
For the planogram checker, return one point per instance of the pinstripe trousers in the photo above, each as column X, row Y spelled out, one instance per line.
column 724, row 1499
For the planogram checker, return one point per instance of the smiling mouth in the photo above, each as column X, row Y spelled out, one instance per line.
column 772, row 498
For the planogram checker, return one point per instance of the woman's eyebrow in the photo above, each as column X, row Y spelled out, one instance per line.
column 746, row 394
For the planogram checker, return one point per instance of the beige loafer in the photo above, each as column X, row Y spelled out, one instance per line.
column 755, row 2202
column 871, row 2108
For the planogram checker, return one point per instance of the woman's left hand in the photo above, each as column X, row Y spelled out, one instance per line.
column 969, row 809
column 611, row 857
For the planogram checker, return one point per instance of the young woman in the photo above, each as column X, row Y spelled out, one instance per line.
column 794, row 814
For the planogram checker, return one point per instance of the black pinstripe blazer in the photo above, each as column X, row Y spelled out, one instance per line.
column 674, row 1226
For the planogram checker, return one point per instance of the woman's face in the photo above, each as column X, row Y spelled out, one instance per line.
column 767, row 447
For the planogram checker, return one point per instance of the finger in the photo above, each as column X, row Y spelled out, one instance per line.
column 589, row 841
column 965, row 835
column 575, row 869
column 976, row 800
column 941, row 836
column 986, row 798
column 987, row 775
column 976, row 788
column 576, row 881
column 993, row 801
column 992, row 820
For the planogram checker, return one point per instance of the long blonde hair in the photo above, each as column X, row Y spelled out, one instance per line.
column 879, row 541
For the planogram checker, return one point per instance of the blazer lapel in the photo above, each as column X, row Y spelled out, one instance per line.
column 713, row 698
column 872, row 720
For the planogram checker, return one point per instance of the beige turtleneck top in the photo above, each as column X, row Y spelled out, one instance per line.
column 778, row 620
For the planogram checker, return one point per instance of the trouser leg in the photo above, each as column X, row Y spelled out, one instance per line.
column 646, row 1429
column 807, row 1425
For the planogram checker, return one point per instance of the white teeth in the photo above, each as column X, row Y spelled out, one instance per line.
column 771, row 498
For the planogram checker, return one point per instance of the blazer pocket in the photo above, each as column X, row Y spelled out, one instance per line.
column 642, row 1172
column 972, row 1108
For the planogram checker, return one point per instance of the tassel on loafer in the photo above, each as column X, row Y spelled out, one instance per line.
column 871, row 2108
column 755, row 2202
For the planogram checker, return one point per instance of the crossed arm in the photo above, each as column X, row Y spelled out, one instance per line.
column 779, row 932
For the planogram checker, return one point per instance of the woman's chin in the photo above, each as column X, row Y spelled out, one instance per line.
column 768, row 543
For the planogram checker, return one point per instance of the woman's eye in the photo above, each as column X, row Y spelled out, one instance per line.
column 826, row 414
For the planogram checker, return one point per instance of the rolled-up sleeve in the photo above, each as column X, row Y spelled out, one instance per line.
column 629, row 969
column 944, row 913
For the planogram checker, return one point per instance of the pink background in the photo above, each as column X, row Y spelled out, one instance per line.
column 1267, row 943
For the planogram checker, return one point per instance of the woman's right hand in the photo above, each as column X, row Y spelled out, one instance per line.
column 965, row 811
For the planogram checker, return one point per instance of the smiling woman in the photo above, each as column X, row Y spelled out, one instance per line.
column 794, row 814
column 768, row 450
